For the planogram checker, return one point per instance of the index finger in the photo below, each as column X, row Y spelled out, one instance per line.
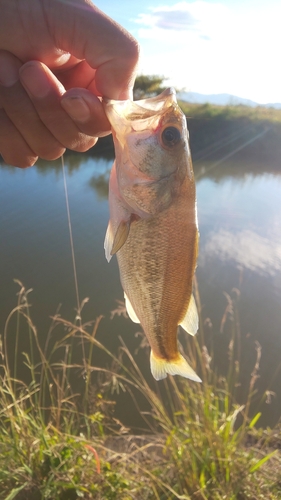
column 84, row 31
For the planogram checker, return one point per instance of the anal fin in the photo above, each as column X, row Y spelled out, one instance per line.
column 131, row 313
column 190, row 322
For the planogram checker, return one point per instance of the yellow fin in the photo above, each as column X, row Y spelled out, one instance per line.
column 121, row 235
column 113, row 243
column 190, row 322
column 161, row 367
column 131, row 313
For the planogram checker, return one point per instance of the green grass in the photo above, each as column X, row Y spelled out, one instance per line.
column 56, row 444
column 238, row 112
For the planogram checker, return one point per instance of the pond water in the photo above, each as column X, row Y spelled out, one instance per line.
column 239, row 211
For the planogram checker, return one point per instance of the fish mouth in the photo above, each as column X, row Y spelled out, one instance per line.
column 148, row 103
column 140, row 110
column 158, row 103
column 145, row 114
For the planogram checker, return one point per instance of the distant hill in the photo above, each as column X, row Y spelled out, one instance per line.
column 222, row 100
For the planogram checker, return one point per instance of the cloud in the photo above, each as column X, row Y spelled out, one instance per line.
column 198, row 17
column 214, row 47
column 175, row 19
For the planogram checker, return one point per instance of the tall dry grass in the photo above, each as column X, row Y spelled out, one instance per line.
column 60, row 443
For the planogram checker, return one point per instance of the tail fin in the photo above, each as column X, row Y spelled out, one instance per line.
column 160, row 367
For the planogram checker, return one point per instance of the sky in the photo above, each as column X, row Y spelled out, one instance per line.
column 208, row 46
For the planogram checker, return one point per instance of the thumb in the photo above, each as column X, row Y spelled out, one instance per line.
column 81, row 29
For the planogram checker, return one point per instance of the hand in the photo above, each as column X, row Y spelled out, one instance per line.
column 56, row 58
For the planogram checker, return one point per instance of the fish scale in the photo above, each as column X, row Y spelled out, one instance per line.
column 153, row 224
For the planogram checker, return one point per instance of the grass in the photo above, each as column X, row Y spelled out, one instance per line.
column 231, row 112
column 246, row 135
column 58, row 442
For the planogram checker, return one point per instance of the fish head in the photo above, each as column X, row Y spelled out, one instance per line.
column 152, row 150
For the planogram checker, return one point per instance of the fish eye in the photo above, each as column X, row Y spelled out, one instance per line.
column 170, row 136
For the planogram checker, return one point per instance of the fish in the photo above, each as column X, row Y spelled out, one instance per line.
column 153, row 227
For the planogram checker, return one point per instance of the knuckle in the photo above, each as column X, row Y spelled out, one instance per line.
column 134, row 51
column 131, row 51
column 129, row 45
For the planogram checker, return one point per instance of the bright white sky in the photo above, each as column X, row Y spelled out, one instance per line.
column 208, row 46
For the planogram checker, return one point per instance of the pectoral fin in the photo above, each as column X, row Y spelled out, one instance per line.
column 108, row 242
column 121, row 235
column 160, row 368
column 113, row 243
column 131, row 313
column 190, row 322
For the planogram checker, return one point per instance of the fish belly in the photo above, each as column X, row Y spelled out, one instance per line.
column 156, row 266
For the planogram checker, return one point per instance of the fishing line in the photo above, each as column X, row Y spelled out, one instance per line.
column 78, row 317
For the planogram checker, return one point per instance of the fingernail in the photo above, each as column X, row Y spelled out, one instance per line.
column 77, row 108
column 9, row 73
column 34, row 79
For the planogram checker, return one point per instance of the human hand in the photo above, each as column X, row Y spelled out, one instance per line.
column 56, row 58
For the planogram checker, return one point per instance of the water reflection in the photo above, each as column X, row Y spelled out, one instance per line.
column 246, row 248
column 239, row 213
column 100, row 184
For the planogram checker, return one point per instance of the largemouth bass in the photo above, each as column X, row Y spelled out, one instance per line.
column 153, row 223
